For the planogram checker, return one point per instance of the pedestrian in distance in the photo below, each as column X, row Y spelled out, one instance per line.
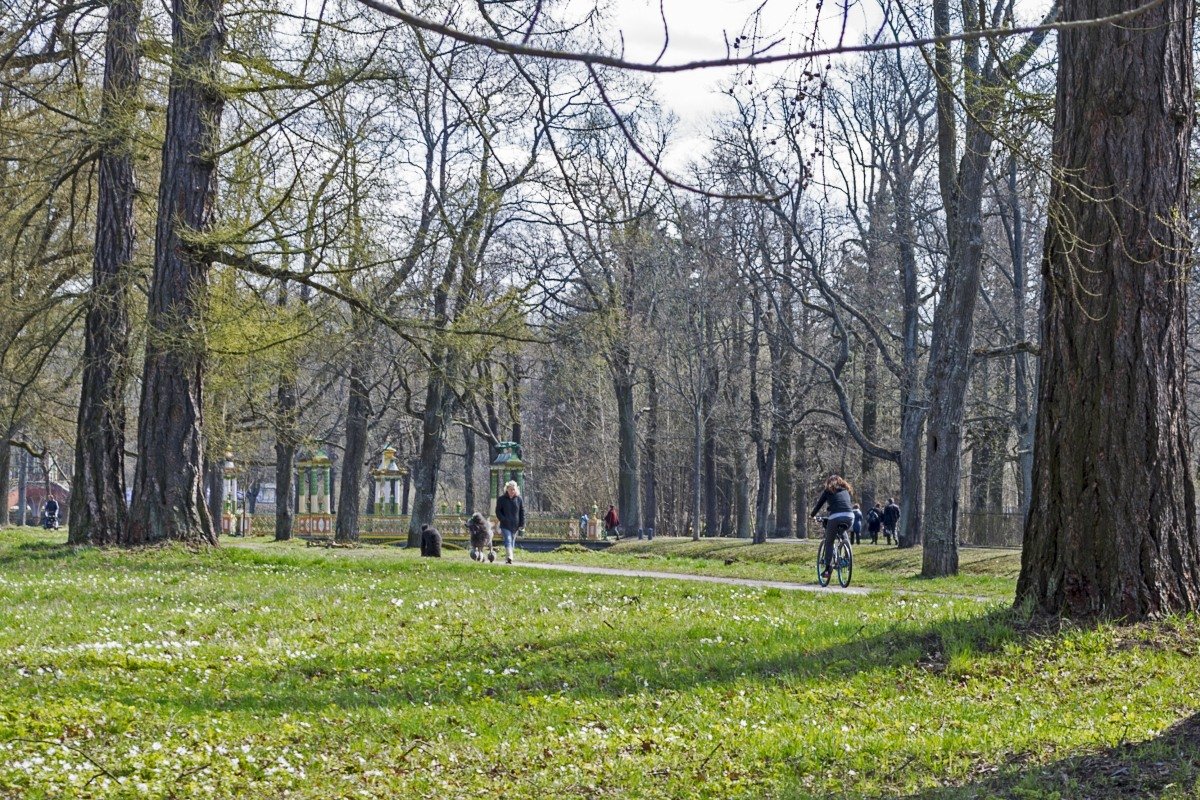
column 857, row 526
column 510, row 511
column 891, row 516
column 612, row 523
column 875, row 522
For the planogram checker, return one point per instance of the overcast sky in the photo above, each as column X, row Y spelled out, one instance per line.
column 700, row 28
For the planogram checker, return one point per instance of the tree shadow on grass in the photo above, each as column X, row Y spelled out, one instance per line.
column 37, row 552
column 1167, row 766
column 582, row 664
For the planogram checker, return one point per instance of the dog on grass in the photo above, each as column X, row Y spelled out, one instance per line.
column 431, row 542
column 480, row 529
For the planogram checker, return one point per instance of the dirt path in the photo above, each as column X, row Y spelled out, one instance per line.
column 679, row 576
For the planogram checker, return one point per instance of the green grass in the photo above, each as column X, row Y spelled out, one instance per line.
column 266, row 671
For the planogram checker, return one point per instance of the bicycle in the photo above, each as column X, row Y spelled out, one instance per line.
column 843, row 561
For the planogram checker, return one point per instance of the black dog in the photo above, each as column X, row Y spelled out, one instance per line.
column 431, row 542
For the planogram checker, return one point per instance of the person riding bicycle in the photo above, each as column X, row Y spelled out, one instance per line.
column 841, row 514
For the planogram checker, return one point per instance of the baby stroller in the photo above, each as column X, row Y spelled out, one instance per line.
column 50, row 515
column 481, row 538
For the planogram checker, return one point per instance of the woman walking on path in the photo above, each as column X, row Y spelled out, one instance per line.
column 510, row 511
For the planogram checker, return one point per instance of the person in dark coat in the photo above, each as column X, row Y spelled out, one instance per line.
column 431, row 542
column 875, row 522
column 891, row 516
column 612, row 523
column 837, row 497
column 510, row 511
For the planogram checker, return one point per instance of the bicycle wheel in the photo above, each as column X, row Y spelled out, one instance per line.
column 845, row 561
column 822, row 578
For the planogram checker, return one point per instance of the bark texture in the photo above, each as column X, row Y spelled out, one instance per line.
column 1112, row 523
column 358, row 413
column 98, row 489
column 168, row 488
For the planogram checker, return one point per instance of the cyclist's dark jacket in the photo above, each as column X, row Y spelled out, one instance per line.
column 891, row 515
column 839, row 503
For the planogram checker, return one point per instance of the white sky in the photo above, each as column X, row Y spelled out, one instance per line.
column 699, row 28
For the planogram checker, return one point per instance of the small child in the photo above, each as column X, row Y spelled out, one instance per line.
column 481, row 537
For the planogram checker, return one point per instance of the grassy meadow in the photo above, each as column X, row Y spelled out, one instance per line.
column 259, row 670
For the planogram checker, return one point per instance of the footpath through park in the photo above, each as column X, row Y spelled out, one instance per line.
column 680, row 576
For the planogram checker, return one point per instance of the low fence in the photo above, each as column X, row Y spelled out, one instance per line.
column 991, row 529
column 537, row 526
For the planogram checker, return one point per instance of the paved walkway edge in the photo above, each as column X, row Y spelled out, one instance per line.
column 682, row 576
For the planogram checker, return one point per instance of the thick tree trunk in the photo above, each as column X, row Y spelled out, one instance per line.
column 358, row 414
column 98, row 487
column 439, row 402
column 1112, row 525
column 168, row 492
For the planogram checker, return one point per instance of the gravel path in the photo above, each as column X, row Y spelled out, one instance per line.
column 641, row 573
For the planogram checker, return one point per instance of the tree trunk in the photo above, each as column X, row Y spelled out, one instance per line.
column 1112, row 524
column 5, row 469
column 697, row 469
column 650, row 473
column 912, row 407
column 708, row 403
column 800, row 487
column 870, row 421
column 98, row 488
column 785, row 488
column 285, row 459
column 168, row 492
column 405, row 483
column 22, row 488
column 950, row 358
column 469, row 471
column 627, row 465
column 215, row 477
column 741, row 484
column 1023, row 409
column 358, row 414
column 438, row 405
